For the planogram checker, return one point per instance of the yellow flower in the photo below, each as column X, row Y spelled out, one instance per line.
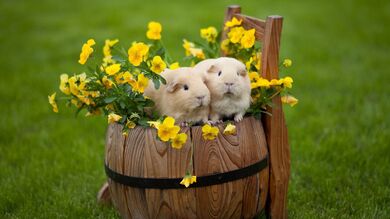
column 174, row 65
column 53, row 103
column 287, row 82
column 64, row 85
column 235, row 34
column 108, row 44
column 85, row 99
column 248, row 39
column 113, row 69
column 167, row 129
column 188, row 180
column 140, row 84
column 130, row 124
column 179, row 140
column 254, row 76
column 197, row 52
column 125, row 133
column 274, row 82
column 154, row 31
column 158, row 65
column 154, row 124
column 232, row 23
column 187, row 45
column 91, row 42
column 112, row 117
column 225, row 46
column 107, row 82
column 77, row 83
column 261, row 82
column 288, row 99
column 210, row 34
column 86, row 51
column 138, row 53
column 230, row 129
column 287, row 63
column 209, row 132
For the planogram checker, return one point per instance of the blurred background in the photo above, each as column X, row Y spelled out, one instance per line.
column 51, row 165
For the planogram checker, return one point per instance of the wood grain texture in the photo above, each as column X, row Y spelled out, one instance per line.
column 253, row 149
column 133, row 165
column 115, row 144
column 164, row 161
column 141, row 154
column 275, row 126
column 252, row 23
column 217, row 156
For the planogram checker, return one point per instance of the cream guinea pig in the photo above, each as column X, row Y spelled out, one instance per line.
column 229, row 85
column 184, row 97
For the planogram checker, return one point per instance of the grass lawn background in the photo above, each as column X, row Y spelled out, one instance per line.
column 51, row 165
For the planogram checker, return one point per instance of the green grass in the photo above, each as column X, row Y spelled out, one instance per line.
column 51, row 164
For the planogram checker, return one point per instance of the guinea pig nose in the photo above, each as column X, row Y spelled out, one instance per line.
column 229, row 84
column 200, row 97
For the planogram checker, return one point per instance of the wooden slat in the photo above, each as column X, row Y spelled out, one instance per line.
column 264, row 174
column 275, row 126
column 250, row 153
column 251, row 22
column 182, row 201
column 217, row 156
column 161, row 160
column 134, row 156
column 156, row 165
column 116, row 141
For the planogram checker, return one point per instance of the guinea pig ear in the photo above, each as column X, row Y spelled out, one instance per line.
column 213, row 69
column 242, row 72
column 172, row 86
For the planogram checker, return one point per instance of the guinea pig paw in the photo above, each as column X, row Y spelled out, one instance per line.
column 184, row 124
column 238, row 117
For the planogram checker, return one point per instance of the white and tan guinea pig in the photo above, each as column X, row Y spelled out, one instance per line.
column 229, row 85
column 184, row 97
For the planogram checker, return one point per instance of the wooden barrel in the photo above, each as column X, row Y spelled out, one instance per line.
column 141, row 155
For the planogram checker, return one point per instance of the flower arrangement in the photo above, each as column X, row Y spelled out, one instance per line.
column 115, row 86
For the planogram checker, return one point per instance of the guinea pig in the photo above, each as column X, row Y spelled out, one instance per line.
column 229, row 85
column 184, row 97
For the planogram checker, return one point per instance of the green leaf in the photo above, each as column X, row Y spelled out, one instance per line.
column 109, row 99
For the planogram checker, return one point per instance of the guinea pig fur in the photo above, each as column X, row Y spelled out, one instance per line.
column 229, row 85
column 184, row 97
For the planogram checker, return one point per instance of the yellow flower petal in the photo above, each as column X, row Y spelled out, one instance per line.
column 187, row 180
column 154, row 31
column 158, row 65
column 113, row 69
column 174, row 66
column 248, row 39
column 53, row 103
column 230, row 129
column 112, row 117
column 209, row 33
column 287, row 63
column 288, row 99
column 138, row 53
column 179, row 140
column 167, row 130
column 233, row 22
column 209, row 132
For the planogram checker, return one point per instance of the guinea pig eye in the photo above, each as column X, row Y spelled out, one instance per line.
column 185, row 87
column 238, row 74
column 219, row 73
